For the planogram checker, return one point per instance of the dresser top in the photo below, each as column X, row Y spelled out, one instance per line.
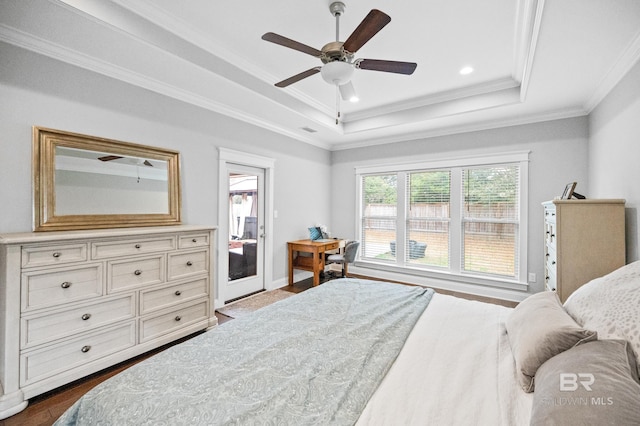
column 587, row 201
column 41, row 237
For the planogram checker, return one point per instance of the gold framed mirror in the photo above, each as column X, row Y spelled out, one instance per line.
column 86, row 182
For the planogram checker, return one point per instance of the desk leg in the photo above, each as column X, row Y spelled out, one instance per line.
column 316, row 268
column 290, row 266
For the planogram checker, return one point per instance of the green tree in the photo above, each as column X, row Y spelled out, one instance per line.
column 380, row 189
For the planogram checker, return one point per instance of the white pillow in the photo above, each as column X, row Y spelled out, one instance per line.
column 610, row 305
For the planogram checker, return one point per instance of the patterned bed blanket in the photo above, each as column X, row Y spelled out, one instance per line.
column 312, row 359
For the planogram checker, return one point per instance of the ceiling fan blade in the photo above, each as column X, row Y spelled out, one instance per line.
column 370, row 25
column 298, row 77
column 291, row 44
column 109, row 157
column 387, row 66
column 348, row 92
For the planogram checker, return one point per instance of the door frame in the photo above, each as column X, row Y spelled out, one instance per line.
column 225, row 157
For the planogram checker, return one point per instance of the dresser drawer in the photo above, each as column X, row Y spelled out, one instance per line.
column 47, row 362
column 127, row 274
column 53, row 287
column 186, row 264
column 157, row 325
column 160, row 298
column 550, row 234
column 550, row 214
column 186, row 241
column 550, row 280
column 38, row 329
column 108, row 249
column 53, row 255
column 551, row 259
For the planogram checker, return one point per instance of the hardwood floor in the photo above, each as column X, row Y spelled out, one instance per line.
column 43, row 410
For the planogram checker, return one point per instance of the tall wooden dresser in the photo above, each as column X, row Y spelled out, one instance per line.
column 584, row 239
column 73, row 303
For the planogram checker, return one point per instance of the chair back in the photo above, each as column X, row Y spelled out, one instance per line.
column 350, row 250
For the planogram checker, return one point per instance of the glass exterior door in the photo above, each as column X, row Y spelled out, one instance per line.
column 246, row 231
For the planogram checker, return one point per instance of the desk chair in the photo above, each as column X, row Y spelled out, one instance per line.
column 349, row 255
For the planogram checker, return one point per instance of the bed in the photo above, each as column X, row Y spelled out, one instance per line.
column 372, row 353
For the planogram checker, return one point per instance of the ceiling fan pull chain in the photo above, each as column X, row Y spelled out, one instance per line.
column 337, row 104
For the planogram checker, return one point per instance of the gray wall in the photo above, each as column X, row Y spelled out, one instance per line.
column 559, row 154
column 45, row 92
column 614, row 152
column 599, row 152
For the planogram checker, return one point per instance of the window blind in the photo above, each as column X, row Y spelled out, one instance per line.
column 379, row 215
column 490, row 210
column 428, row 217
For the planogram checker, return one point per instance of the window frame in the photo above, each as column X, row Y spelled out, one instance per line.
column 520, row 158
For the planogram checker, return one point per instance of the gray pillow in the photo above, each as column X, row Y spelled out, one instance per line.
column 610, row 305
column 592, row 384
column 538, row 329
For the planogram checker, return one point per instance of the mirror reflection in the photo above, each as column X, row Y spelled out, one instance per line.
column 94, row 182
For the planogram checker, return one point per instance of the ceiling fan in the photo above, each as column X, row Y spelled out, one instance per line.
column 117, row 157
column 338, row 56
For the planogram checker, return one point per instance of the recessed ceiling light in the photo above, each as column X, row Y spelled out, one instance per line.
column 466, row 70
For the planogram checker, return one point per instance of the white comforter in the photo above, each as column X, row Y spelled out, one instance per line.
column 455, row 368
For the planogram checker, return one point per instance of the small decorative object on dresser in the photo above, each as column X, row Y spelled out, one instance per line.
column 584, row 239
column 568, row 190
column 73, row 303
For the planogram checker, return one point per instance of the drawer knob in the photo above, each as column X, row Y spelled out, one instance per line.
column 86, row 348
column 65, row 284
column 137, row 272
column 189, row 263
column 178, row 318
column 553, row 262
column 194, row 241
column 86, row 317
column 138, row 246
column 178, row 293
column 57, row 254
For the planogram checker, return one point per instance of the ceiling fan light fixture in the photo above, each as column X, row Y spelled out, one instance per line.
column 348, row 93
column 337, row 72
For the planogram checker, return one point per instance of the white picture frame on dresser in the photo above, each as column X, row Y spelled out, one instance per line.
column 75, row 302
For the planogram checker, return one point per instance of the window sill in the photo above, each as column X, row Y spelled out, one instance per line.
column 481, row 286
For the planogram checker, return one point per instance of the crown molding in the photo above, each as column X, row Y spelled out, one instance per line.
column 465, row 128
column 618, row 70
column 55, row 51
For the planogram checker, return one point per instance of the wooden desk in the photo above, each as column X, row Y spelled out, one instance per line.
column 315, row 263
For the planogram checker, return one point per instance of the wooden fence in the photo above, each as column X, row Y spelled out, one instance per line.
column 434, row 217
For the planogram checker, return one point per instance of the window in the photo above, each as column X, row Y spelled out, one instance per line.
column 428, row 218
column 464, row 216
column 379, row 215
column 490, row 198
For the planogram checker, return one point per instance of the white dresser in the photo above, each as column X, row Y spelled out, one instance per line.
column 584, row 239
column 73, row 303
